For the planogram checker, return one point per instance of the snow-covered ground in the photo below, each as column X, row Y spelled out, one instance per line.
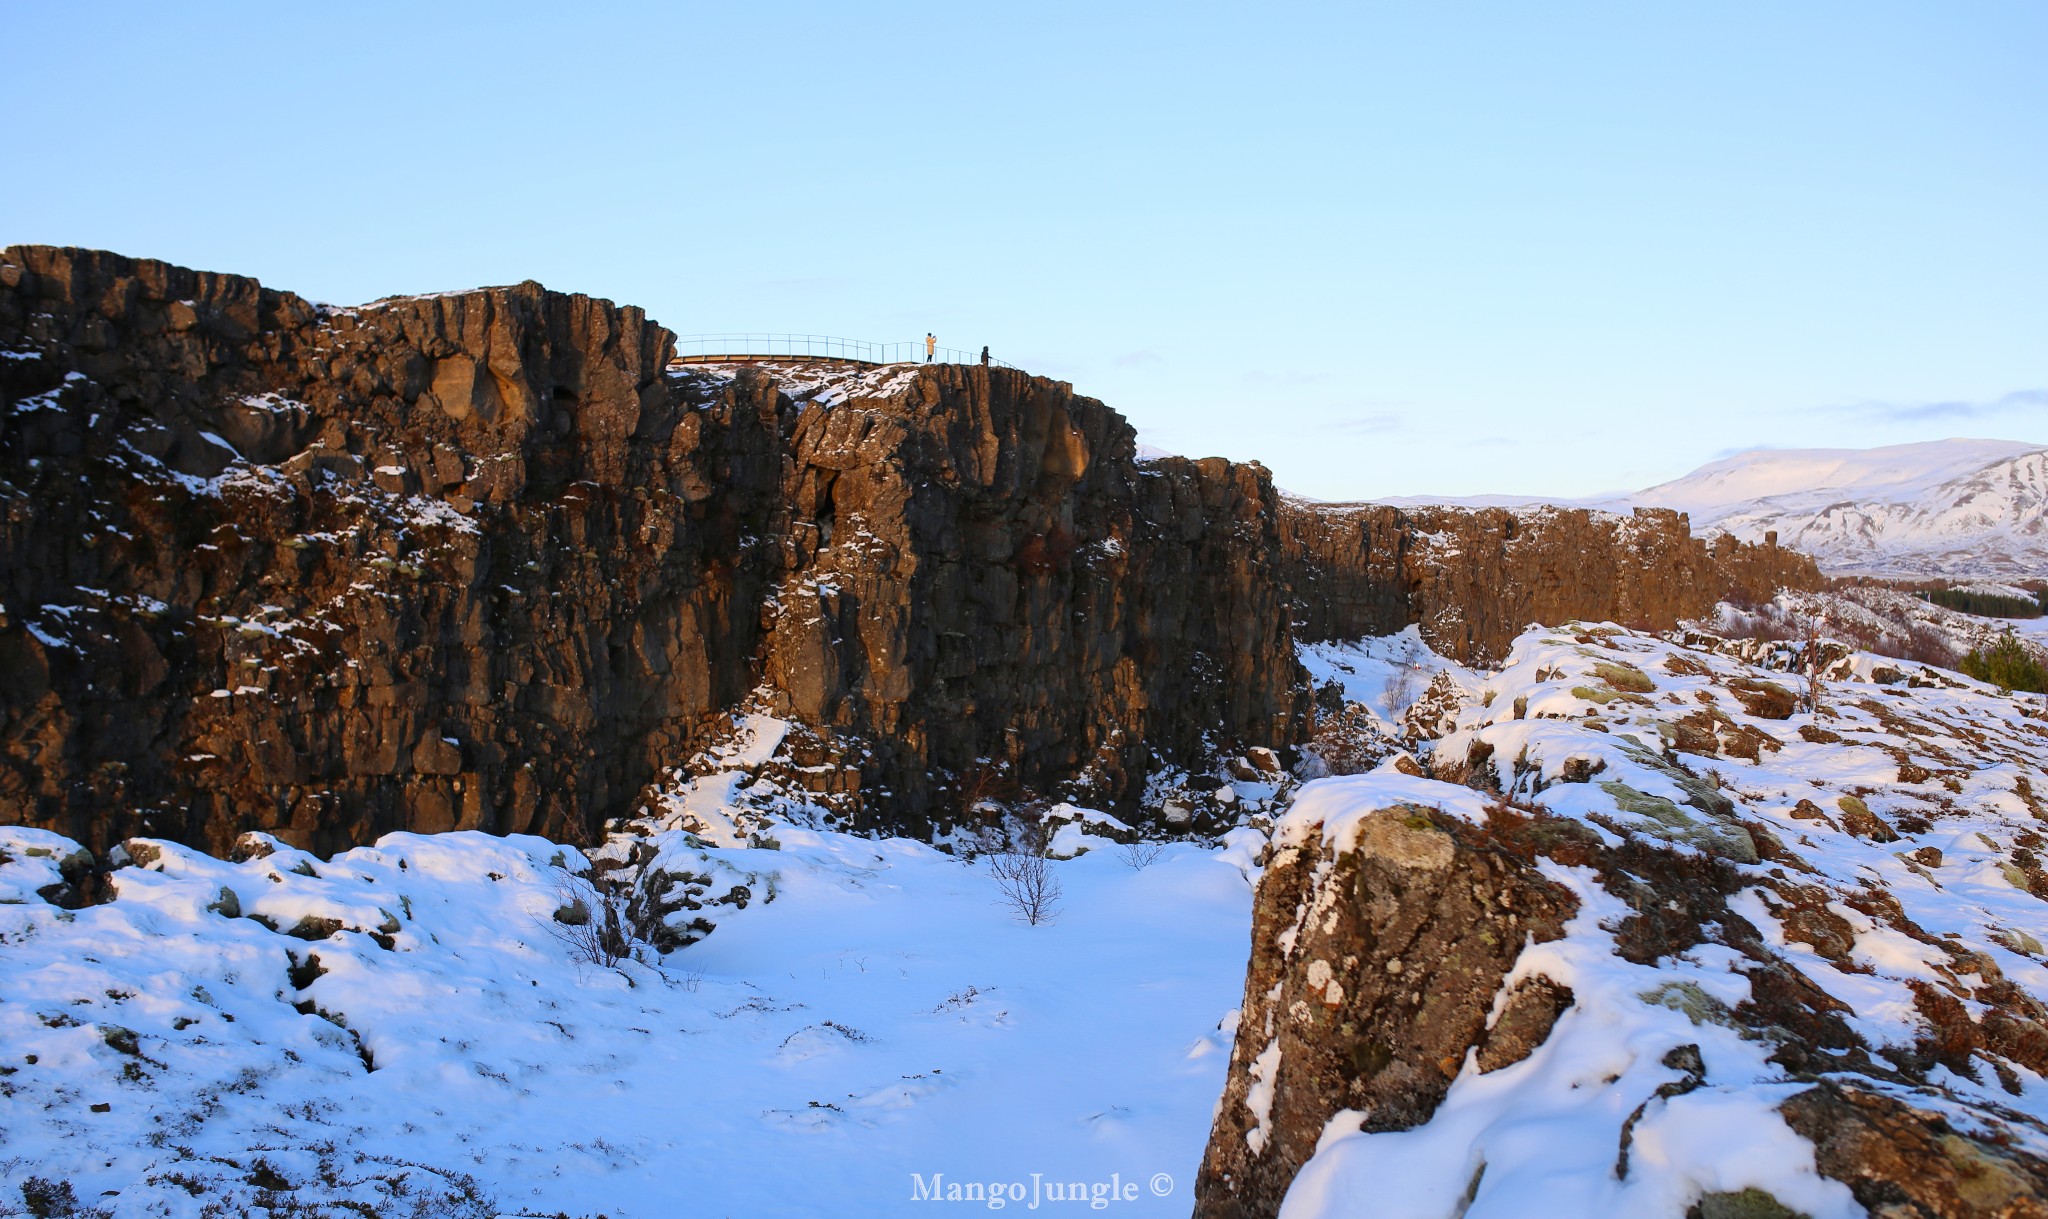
column 1904, row 816
column 404, row 1027
column 883, row 1015
column 1385, row 675
column 1882, row 619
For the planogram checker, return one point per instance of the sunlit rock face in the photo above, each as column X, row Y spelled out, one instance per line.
column 1474, row 577
column 484, row 560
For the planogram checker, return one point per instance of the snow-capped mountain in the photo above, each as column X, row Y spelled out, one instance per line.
column 1944, row 507
column 1938, row 508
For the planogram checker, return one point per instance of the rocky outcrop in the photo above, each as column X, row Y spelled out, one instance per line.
column 1379, row 974
column 1473, row 578
column 1588, row 931
column 1903, row 1162
column 481, row 560
column 1375, row 960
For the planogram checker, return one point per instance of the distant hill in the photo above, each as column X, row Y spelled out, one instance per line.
column 1961, row 508
column 1944, row 507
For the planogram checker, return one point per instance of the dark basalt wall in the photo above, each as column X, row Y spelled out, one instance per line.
column 478, row 567
column 479, row 560
column 977, row 572
column 1474, row 578
column 484, row 560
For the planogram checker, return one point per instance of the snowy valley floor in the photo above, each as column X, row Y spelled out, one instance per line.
column 882, row 1016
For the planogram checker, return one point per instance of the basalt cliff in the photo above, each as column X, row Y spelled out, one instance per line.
column 490, row 560
column 1474, row 578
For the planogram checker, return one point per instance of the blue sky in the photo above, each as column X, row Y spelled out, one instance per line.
column 1386, row 249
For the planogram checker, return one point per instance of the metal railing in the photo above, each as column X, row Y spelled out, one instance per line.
column 713, row 348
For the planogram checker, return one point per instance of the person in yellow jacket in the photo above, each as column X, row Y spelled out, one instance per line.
column 931, row 346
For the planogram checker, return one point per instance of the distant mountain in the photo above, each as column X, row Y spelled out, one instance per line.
column 1939, row 508
column 1944, row 507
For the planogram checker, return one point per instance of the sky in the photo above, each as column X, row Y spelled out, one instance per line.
column 1419, row 249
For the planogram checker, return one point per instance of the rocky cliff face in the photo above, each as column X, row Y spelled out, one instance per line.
column 466, row 561
column 480, row 560
column 980, row 582
column 485, row 560
column 1475, row 577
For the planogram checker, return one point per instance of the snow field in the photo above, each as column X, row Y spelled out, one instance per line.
column 881, row 1016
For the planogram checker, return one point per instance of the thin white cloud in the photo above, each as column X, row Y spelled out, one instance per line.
column 1379, row 424
column 2018, row 402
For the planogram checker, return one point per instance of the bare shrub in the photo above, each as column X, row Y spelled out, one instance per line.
column 1141, row 854
column 1925, row 644
column 1765, row 624
column 1742, row 597
column 598, row 922
column 1400, row 688
column 1028, row 885
column 1025, row 877
column 985, row 788
column 1899, row 638
column 55, row 1199
column 1811, row 635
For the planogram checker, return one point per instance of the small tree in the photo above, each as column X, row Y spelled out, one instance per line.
column 1400, row 688
column 1141, row 854
column 986, row 789
column 1810, row 640
column 598, row 922
column 1025, row 876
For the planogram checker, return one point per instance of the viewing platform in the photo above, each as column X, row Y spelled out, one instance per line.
column 764, row 348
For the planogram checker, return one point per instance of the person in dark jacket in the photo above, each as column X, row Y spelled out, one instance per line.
column 984, row 355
